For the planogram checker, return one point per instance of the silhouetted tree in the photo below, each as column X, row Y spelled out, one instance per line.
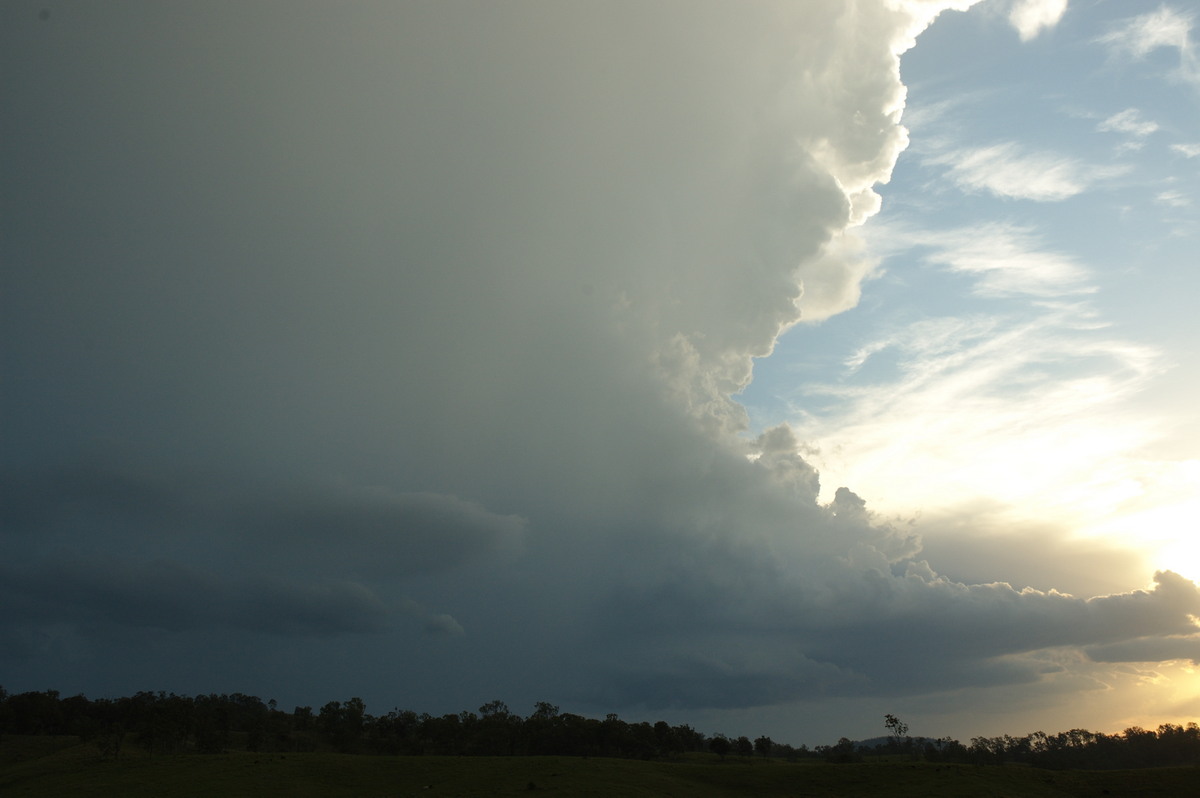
column 541, row 730
column 689, row 739
column 743, row 746
column 161, row 722
column 5, row 713
column 341, row 725
column 211, row 723
column 898, row 730
column 763, row 746
column 497, row 729
column 35, row 713
column 842, row 753
column 720, row 745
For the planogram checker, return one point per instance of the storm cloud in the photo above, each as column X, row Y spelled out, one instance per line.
column 416, row 327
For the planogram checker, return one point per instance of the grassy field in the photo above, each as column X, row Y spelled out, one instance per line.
column 50, row 766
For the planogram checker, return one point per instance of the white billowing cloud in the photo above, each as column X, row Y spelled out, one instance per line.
column 1031, row 17
column 1187, row 150
column 860, row 147
column 833, row 281
column 1004, row 170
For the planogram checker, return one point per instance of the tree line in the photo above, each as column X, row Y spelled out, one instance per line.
column 1169, row 745
column 166, row 723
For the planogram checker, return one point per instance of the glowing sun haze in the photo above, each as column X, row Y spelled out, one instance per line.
column 632, row 356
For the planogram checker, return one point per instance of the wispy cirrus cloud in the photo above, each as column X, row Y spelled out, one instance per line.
column 1138, row 36
column 1132, row 124
column 1166, row 27
column 1128, row 121
column 1173, row 199
column 1024, row 399
column 1009, row 260
column 1006, row 260
column 1006, row 170
column 1023, row 407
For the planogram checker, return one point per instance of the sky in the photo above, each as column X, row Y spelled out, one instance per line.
column 767, row 367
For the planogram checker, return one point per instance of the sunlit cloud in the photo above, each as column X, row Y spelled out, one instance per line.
column 1031, row 17
column 1189, row 150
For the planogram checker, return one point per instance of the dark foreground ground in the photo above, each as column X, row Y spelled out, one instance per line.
column 61, row 766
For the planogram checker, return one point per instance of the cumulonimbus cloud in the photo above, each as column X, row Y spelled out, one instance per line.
column 437, row 311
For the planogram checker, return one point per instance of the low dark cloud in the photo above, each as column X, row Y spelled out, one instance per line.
column 1148, row 649
column 166, row 595
column 386, row 534
column 105, row 542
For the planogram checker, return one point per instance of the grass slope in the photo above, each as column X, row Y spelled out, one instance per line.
column 57, row 767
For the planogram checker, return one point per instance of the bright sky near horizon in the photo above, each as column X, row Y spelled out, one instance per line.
column 756, row 366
